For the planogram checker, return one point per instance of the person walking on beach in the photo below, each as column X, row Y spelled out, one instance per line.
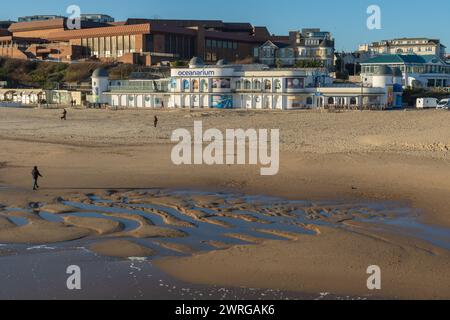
column 36, row 174
column 156, row 121
column 64, row 115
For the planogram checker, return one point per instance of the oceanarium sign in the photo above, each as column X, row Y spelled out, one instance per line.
column 203, row 72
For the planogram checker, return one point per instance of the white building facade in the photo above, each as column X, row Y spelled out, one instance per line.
column 418, row 46
column 232, row 87
column 247, row 87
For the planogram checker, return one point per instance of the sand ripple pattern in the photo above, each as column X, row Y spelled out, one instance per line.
column 166, row 222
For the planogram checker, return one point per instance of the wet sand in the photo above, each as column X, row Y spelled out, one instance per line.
column 369, row 156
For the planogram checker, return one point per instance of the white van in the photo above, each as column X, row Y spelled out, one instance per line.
column 424, row 103
column 443, row 104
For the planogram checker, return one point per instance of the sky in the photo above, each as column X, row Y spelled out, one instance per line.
column 347, row 20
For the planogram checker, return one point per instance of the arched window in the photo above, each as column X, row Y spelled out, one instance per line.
column 195, row 85
column 278, row 84
column 204, row 85
column 331, row 100
column 247, row 85
column 267, row 85
column 186, row 85
column 257, row 85
column 309, row 101
column 238, row 85
column 353, row 101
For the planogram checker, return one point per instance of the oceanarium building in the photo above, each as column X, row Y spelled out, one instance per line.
column 254, row 86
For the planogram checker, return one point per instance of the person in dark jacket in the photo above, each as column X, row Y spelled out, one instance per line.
column 156, row 121
column 64, row 115
column 35, row 174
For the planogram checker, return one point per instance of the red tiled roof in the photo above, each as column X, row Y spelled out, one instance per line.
column 99, row 32
column 144, row 28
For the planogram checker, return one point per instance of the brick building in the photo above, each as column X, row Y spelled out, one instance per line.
column 137, row 41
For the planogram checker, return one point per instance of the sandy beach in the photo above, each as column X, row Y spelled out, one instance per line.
column 400, row 157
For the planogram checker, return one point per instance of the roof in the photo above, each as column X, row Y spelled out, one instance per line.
column 196, row 62
column 403, row 59
column 100, row 73
column 277, row 44
column 100, row 32
column 395, row 58
column 37, row 25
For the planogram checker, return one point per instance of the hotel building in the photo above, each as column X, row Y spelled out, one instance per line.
column 418, row 46
column 419, row 71
column 301, row 46
column 227, row 86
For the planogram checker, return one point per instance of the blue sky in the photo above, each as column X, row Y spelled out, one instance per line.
column 345, row 19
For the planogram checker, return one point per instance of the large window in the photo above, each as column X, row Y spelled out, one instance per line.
column 96, row 46
column 120, row 46
column 132, row 43
column 222, row 83
column 108, row 46
column 114, row 46
column 126, row 44
column 101, row 47
column 148, row 43
column 257, row 85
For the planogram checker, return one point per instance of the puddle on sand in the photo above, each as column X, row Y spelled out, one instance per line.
column 210, row 221
column 42, row 276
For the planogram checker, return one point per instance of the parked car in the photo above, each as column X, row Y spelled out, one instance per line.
column 443, row 104
column 425, row 103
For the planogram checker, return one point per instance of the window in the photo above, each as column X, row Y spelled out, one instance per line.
column 132, row 43
column 353, row 101
column 186, row 85
column 204, row 85
column 126, row 44
column 238, row 85
column 102, row 47
column 257, row 85
column 195, row 85
column 330, row 100
column 213, row 44
column 235, row 45
column 278, row 84
column 108, row 46
column 208, row 43
column 267, row 85
column 120, row 46
column 114, row 46
column 96, row 46
column 247, row 85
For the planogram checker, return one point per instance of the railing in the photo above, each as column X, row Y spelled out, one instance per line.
column 138, row 89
